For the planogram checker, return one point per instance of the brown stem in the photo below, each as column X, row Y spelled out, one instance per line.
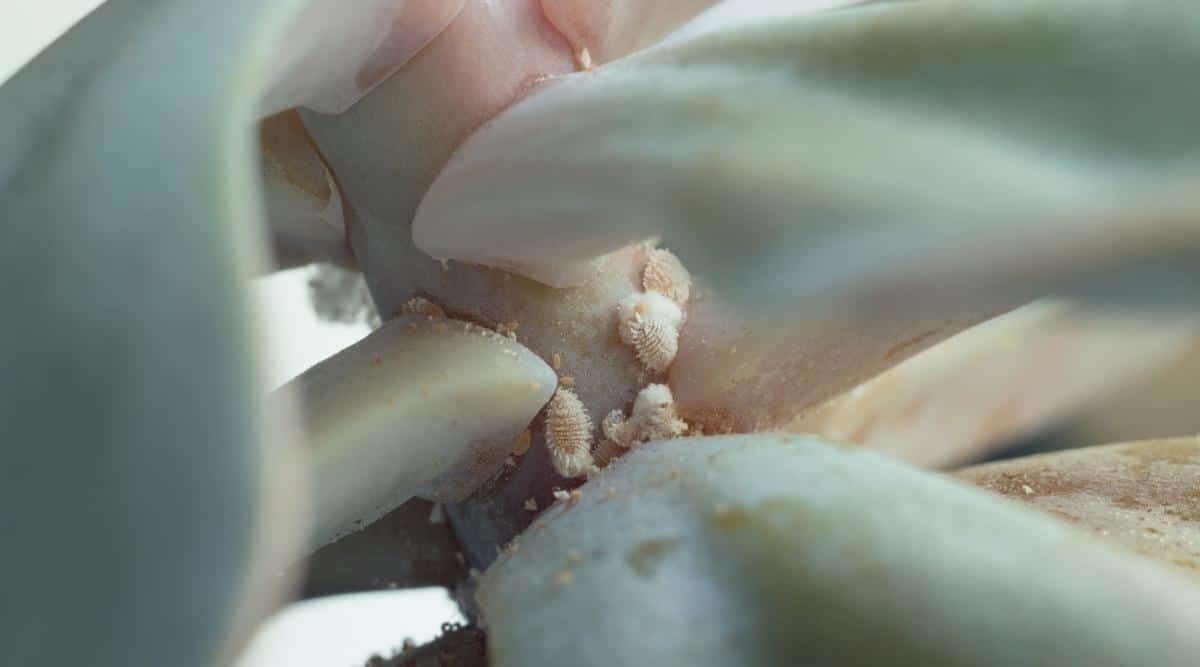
column 402, row 550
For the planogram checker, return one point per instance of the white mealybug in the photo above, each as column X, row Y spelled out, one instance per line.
column 606, row 451
column 653, row 418
column 647, row 306
column 419, row 305
column 616, row 429
column 649, row 322
column 569, row 435
column 656, row 345
column 665, row 274
column 654, row 414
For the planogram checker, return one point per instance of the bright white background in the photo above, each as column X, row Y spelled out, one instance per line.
column 335, row 632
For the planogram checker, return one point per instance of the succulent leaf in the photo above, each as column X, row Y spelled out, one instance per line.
column 1142, row 495
column 305, row 212
column 964, row 397
column 772, row 549
column 334, row 54
column 868, row 156
column 138, row 471
column 735, row 372
column 421, row 407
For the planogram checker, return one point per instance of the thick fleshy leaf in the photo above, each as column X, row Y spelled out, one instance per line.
column 335, row 53
column 304, row 206
column 663, row 131
column 770, row 549
column 141, row 494
column 387, row 149
column 1004, row 379
column 408, row 548
column 1159, row 405
column 736, row 372
column 1144, row 495
column 940, row 152
column 422, row 406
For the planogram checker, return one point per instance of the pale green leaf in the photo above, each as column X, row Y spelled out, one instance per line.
column 422, row 406
column 135, row 481
column 780, row 550
column 933, row 152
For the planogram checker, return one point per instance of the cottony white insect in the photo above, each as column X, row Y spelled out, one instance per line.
column 665, row 274
column 569, row 435
column 649, row 322
column 421, row 306
column 654, row 418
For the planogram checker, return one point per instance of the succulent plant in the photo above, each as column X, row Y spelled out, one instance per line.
column 624, row 254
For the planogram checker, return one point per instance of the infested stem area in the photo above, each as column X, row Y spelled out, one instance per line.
column 638, row 353
column 635, row 322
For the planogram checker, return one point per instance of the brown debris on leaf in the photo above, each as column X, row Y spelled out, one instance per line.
column 1144, row 495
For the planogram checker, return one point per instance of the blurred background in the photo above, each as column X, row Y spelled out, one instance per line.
column 343, row 630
